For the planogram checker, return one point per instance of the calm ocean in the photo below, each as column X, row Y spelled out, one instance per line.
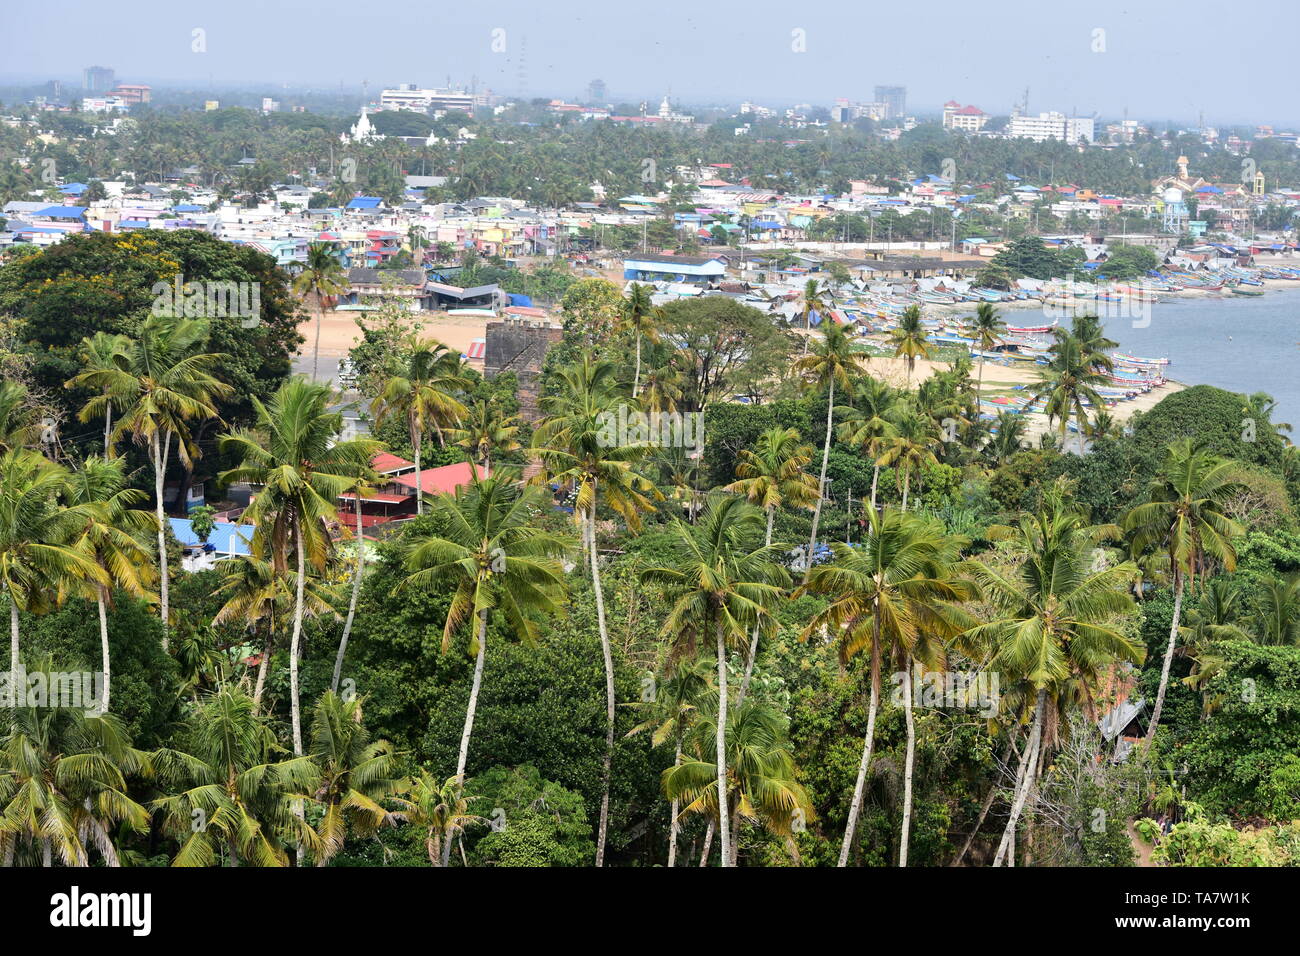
column 1243, row 344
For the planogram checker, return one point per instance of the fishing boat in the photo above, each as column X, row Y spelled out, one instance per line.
column 1238, row 290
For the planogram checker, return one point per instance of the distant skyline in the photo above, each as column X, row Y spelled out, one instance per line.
column 1155, row 65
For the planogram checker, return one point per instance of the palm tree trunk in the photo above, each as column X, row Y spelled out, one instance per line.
column 1025, row 779
column 159, row 467
column 907, row 485
column 708, row 843
column 315, row 352
column 821, row 487
column 352, row 602
column 463, row 757
column 753, row 641
column 263, row 667
column 868, row 743
column 607, row 655
column 875, row 477
column 108, row 429
column 673, row 811
column 419, row 487
column 986, row 806
column 298, row 603
column 979, row 382
column 724, row 826
column 636, row 380
column 1169, row 655
column 105, row 658
column 908, row 765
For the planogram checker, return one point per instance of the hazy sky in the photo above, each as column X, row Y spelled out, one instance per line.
column 1158, row 60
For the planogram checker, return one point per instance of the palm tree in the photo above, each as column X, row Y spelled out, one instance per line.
column 440, row 809
column 112, row 539
column 639, row 315
column 1055, row 621
column 255, row 592
column 424, row 392
column 41, row 553
column 1068, row 383
column 1278, row 621
column 350, row 775
column 909, row 448
column 1008, row 437
column 663, row 390
column 770, row 475
column 235, row 803
column 105, row 352
column 814, row 298
column 869, row 422
column 494, row 558
column 63, row 785
column 987, row 328
column 891, row 595
column 359, row 489
column 1217, row 617
column 322, row 277
column 576, row 448
column 1183, row 516
column 18, row 427
column 909, row 339
column 293, row 456
column 486, row 429
column 832, row 362
column 721, row 587
column 166, row 383
column 672, row 710
column 761, row 783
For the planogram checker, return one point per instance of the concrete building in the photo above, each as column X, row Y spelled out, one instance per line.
column 894, row 99
column 970, row 119
column 1045, row 126
column 98, row 79
column 519, row 345
column 407, row 96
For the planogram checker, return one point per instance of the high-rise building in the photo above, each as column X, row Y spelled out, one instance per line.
column 98, row 79
column 596, row 92
column 895, row 100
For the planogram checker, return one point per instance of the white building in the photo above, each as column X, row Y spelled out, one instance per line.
column 1044, row 126
column 970, row 119
column 103, row 104
column 410, row 97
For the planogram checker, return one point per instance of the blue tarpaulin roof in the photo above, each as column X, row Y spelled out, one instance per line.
column 227, row 537
column 62, row 212
column 365, row 202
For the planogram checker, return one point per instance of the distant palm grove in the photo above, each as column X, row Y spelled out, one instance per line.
column 843, row 621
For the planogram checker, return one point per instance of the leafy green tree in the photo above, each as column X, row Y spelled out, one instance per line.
column 63, row 785
column 293, row 455
column 577, row 450
column 833, row 362
column 237, row 797
column 167, row 383
column 771, row 475
column 1055, row 622
column 762, row 787
column 892, row 596
column 1183, row 516
column 910, row 340
column 493, row 557
column 41, row 556
column 322, row 277
column 720, row 587
column 112, row 539
column 425, row 393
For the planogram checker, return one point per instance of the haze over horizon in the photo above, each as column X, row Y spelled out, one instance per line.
column 1152, row 68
